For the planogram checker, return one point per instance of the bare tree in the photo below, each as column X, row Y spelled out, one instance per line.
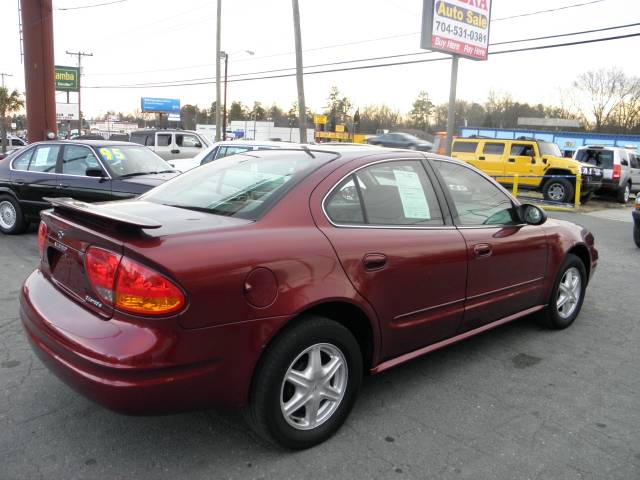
column 602, row 90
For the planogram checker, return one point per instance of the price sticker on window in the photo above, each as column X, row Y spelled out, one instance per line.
column 112, row 154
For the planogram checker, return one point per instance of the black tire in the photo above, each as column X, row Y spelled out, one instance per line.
column 19, row 224
column 558, row 190
column 264, row 412
column 551, row 317
column 623, row 193
column 586, row 198
column 636, row 235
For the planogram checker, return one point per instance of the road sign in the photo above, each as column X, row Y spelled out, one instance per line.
column 160, row 105
column 458, row 27
column 340, row 128
column 320, row 119
column 67, row 79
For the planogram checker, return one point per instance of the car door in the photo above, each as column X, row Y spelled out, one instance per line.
column 164, row 146
column 491, row 160
column 72, row 175
column 521, row 162
column 507, row 260
column 34, row 176
column 398, row 248
column 187, row 145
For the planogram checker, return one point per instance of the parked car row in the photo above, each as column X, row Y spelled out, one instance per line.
column 274, row 279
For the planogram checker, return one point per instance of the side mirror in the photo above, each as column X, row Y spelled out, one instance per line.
column 532, row 215
column 94, row 172
column 198, row 145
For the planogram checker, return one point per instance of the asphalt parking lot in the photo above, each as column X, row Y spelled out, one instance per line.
column 518, row 402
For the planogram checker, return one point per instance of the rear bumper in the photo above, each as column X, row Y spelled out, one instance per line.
column 136, row 368
column 590, row 184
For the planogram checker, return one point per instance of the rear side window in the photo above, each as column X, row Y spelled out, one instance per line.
column 465, row 147
column 164, row 139
column 44, row 159
column 598, row 157
column 493, row 148
column 343, row 205
column 22, row 161
column 186, row 140
column 227, row 151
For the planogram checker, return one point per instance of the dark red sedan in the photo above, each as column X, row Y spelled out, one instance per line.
column 276, row 279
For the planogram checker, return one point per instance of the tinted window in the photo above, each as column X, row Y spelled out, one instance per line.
column 343, row 205
column 16, row 142
column 239, row 186
column 493, row 148
column 164, row 139
column 22, row 161
column 522, row 150
column 76, row 160
column 185, row 140
column 465, row 147
column 398, row 193
column 44, row 159
column 476, row 199
column 140, row 138
column 598, row 157
column 634, row 160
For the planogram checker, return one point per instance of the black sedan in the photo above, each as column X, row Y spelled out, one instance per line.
column 401, row 140
column 87, row 170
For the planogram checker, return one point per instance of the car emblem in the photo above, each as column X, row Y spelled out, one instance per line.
column 60, row 234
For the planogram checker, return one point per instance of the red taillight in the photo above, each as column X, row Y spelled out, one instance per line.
column 42, row 237
column 129, row 286
column 616, row 172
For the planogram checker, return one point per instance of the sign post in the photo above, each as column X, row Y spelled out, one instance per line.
column 460, row 28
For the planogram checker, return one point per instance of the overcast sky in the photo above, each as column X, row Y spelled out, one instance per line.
column 142, row 41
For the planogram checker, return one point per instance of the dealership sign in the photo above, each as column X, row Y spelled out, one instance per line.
column 67, row 79
column 160, row 105
column 67, row 111
column 458, row 27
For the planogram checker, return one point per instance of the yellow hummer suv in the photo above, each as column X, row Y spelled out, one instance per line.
column 539, row 166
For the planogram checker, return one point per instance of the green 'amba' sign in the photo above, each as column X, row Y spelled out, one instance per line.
column 67, row 79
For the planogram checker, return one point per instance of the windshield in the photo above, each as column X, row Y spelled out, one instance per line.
column 596, row 156
column 130, row 160
column 547, row 148
column 242, row 186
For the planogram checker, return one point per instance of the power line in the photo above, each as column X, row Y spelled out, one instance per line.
column 357, row 42
column 63, row 9
column 169, row 83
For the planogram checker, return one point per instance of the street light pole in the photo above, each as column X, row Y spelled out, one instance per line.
column 224, row 111
column 302, row 110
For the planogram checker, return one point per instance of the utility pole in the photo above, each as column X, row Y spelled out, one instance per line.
column 5, row 75
column 451, row 120
column 79, row 55
column 224, row 108
column 218, row 92
column 302, row 110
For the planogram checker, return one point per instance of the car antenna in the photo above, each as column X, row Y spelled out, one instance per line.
column 307, row 151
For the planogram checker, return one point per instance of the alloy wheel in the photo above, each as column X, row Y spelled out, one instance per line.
column 556, row 192
column 313, row 386
column 8, row 215
column 569, row 292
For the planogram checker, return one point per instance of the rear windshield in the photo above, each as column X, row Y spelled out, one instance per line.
column 598, row 157
column 243, row 186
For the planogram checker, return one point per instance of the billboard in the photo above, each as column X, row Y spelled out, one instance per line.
column 67, row 79
column 458, row 27
column 160, row 105
column 67, row 111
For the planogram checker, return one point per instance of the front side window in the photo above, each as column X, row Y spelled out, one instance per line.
column 477, row 200
column 44, row 159
column 186, row 140
column 464, row 147
column 76, row 160
column 522, row 150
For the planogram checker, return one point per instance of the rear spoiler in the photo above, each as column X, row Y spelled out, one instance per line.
column 106, row 211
